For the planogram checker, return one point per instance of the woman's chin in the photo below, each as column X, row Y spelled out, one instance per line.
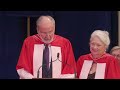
column 94, row 54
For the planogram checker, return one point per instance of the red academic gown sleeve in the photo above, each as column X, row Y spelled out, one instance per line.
column 24, row 60
column 68, row 57
column 79, row 65
column 113, row 70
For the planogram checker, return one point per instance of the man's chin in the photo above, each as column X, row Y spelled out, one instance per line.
column 47, row 42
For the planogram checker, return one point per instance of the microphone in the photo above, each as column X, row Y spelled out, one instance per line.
column 75, row 75
column 57, row 55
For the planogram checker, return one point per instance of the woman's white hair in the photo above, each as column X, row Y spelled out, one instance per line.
column 102, row 35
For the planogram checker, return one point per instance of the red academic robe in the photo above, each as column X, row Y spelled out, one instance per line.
column 28, row 55
column 107, row 61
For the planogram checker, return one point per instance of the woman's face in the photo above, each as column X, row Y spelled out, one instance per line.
column 97, row 47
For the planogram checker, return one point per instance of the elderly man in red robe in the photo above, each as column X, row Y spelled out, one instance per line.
column 61, row 57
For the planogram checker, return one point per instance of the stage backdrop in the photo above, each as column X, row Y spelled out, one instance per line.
column 77, row 26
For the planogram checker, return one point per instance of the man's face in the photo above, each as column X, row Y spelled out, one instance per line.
column 116, row 53
column 46, row 32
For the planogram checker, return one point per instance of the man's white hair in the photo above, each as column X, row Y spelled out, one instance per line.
column 114, row 48
column 39, row 20
column 102, row 35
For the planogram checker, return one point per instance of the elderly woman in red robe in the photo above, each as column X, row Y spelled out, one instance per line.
column 98, row 64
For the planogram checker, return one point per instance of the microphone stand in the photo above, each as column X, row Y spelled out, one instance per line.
column 43, row 66
column 54, row 61
column 71, row 67
column 75, row 76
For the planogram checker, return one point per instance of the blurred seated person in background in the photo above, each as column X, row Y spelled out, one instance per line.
column 115, row 51
column 46, row 55
column 98, row 64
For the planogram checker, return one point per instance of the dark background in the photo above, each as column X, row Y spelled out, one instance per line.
column 77, row 26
